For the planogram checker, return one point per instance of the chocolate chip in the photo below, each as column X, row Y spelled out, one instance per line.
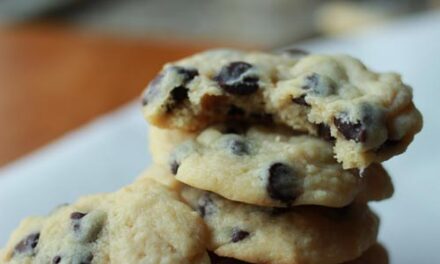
column 318, row 85
column 87, row 228
column 311, row 81
column 56, row 260
column 351, row 131
column 237, row 78
column 152, row 89
column 179, row 94
column 235, row 111
column 324, row 132
column 238, row 235
column 283, row 183
column 206, row 206
column 28, row 244
column 77, row 215
column 174, row 166
column 224, row 260
column 300, row 100
column 238, row 147
column 188, row 73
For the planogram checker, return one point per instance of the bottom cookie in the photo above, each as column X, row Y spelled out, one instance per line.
column 303, row 234
column 142, row 223
column 377, row 254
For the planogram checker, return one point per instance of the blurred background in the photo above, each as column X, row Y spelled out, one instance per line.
column 63, row 63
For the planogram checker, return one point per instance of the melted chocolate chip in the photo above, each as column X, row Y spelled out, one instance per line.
column 235, row 111
column 56, row 260
column 318, row 85
column 324, row 132
column 238, row 235
column 224, row 260
column 351, row 131
column 28, row 244
column 77, row 215
column 300, row 100
column 188, row 74
column 235, row 78
column 87, row 229
column 311, row 81
column 238, row 147
column 283, row 183
column 174, row 166
column 206, row 206
column 179, row 94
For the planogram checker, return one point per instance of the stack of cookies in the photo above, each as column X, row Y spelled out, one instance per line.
column 280, row 153
column 259, row 158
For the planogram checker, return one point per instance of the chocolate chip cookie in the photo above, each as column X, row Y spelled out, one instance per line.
column 304, row 234
column 273, row 167
column 368, row 116
column 142, row 223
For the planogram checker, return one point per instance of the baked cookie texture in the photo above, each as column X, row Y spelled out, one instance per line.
column 142, row 223
column 369, row 116
column 308, row 234
column 266, row 167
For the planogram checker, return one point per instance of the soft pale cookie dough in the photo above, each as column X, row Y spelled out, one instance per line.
column 275, row 168
column 142, row 223
column 307, row 234
column 163, row 141
column 369, row 116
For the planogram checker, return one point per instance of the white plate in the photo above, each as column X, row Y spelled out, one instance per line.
column 111, row 151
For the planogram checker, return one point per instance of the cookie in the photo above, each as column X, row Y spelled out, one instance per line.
column 273, row 167
column 306, row 234
column 162, row 142
column 369, row 116
column 142, row 223
column 376, row 254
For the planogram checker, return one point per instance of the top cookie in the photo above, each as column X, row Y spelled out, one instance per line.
column 369, row 116
column 142, row 223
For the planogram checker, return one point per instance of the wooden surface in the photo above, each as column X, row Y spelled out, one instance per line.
column 52, row 80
